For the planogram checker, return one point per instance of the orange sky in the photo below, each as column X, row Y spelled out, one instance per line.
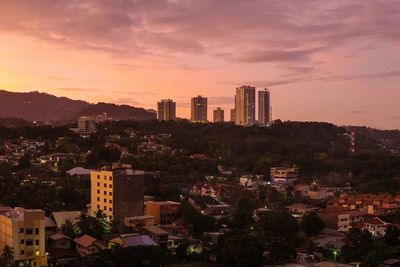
column 336, row 62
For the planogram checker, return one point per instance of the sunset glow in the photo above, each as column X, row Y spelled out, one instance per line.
column 322, row 61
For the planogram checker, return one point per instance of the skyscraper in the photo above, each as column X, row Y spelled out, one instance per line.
column 218, row 115
column 199, row 109
column 245, row 107
column 233, row 115
column 264, row 107
column 166, row 110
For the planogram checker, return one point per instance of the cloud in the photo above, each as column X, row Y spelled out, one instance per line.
column 359, row 112
column 77, row 89
column 268, row 31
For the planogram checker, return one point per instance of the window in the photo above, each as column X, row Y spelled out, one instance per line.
column 105, row 208
column 98, row 199
column 22, row 242
column 36, row 231
column 105, row 185
column 105, row 200
column 98, row 184
column 98, row 176
column 98, row 191
column 22, row 252
column 110, row 201
column 29, row 242
column 105, row 177
column 21, row 230
column 37, row 242
column 29, row 231
column 110, row 178
column 110, row 186
column 110, row 193
column 98, row 207
column 110, row 209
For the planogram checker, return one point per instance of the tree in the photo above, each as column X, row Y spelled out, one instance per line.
column 357, row 245
column 139, row 256
column 7, row 257
column 24, row 162
column 392, row 236
column 241, row 249
column 243, row 216
column 311, row 224
column 68, row 229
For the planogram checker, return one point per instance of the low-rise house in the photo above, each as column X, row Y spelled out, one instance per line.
column 348, row 219
column 210, row 206
column 60, row 241
column 157, row 234
column 79, row 171
column 299, row 209
column 136, row 221
column 132, row 240
column 375, row 226
column 87, row 244
column 61, row 217
column 204, row 189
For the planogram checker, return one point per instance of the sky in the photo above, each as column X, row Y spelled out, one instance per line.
column 335, row 61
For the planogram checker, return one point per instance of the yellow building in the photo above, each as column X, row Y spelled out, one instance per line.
column 164, row 212
column 24, row 231
column 117, row 192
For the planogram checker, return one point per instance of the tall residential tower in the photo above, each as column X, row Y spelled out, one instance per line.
column 199, row 109
column 166, row 110
column 245, row 106
column 218, row 115
column 264, row 107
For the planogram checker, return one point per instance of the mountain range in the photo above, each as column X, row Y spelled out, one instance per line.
column 37, row 106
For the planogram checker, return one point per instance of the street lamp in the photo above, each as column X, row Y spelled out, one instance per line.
column 335, row 255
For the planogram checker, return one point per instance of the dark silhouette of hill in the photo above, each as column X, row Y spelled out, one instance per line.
column 37, row 106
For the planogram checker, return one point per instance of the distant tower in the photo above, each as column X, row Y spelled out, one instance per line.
column 199, row 109
column 264, row 107
column 218, row 115
column 233, row 115
column 245, row 107
column 166, row 110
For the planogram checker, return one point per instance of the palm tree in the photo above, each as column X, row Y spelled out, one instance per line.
column 7, row 257
column 68, row 229
column 83, row 223
column 102, row 222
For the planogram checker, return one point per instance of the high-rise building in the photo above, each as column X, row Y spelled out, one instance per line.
column 23, row 230
column 245, row 105
column 118, row 192
column 199, row 109
column 166, row 110
column 218, row 115
column 86, row 126
column 233, row 115
column 264, row 107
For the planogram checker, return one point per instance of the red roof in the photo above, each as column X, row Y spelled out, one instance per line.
column 375, row 221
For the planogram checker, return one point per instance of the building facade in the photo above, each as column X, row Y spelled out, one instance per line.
column 199, row 109
column 23, row 230
column 218, row 115
column 118, row 193
column 166, row 110
column 233, row 115
column 164, row 212
column 264, row 107
column 86, row 126
column 245, row 106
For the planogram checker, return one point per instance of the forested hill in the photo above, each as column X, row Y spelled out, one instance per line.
column 321, row 150
column 36, row 106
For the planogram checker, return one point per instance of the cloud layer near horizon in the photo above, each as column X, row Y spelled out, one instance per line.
column 180, row 48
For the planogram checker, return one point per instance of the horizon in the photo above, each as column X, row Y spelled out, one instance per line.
column 343, row 70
